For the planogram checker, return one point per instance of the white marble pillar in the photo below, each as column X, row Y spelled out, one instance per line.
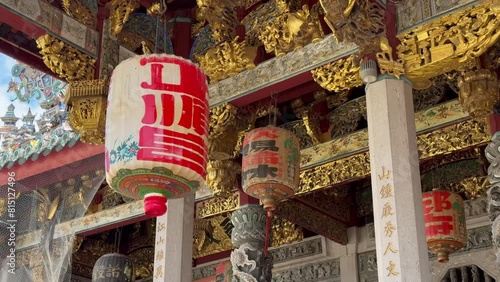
column 396, row 190
column 174, row 242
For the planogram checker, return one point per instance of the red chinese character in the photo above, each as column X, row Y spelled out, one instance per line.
column 190, row 78
column 429, row 217
column 440, row 202
column 193, row 112
column 268, row 133
column 162, row 145
column 443, row 228
column 263, row 157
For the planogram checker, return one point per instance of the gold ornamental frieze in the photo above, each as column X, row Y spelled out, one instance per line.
column 337, row 76
column 218, row 205
column 66, row 61
column 442, row 141
column 87, row 100
column 447, row 43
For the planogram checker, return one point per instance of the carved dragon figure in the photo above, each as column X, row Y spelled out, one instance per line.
column 358, row 22
column 221, row 16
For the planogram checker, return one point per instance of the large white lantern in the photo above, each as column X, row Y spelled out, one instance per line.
column 156, row 129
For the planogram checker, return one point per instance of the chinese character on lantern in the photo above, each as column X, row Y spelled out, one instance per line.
column 270, row 165
column 444, row 218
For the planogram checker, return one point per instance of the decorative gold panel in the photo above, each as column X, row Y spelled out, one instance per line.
column 442, row 141
column 291, row 30
column 356, row 21
column 67, row 62
column 479, row 91
column 340, row 75
column 215, row 206
column 88, row 100
column 80, row 12
column 447, row 43
column 227, row 59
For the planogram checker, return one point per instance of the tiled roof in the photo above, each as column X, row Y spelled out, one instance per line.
column 44, row 146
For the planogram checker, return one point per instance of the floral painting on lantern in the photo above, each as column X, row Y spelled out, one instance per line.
column 124, row 152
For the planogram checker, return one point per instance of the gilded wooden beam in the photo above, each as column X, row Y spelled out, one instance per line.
column 446, row 140
column 450, row 42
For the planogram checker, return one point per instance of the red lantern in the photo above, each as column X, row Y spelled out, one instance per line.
column 156, row 129
column 445, row 227
column 271, row 163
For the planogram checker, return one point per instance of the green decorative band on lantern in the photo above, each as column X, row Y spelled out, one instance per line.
column 138, row 182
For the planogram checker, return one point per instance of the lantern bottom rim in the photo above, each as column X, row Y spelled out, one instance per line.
column 155, row 204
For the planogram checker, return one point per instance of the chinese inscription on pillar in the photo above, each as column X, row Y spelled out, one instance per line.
column 390, row 243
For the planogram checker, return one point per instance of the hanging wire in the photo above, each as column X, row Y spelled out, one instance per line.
column 163, row 9
column 118, row 239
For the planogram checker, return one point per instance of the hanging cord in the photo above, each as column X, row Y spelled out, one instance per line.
column 163, row 9
column 268, row 231
column 118, row 239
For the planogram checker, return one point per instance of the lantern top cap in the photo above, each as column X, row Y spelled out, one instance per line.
column 135, row 57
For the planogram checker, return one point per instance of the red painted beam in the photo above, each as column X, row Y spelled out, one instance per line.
column 286, row 90
column 55, row 161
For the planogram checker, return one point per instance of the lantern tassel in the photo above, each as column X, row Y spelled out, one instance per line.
column 268, row 231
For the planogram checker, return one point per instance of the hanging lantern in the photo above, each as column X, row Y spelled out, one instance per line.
column 113, row 268
column 445, row 227
column 156, row 129
column 271, row 163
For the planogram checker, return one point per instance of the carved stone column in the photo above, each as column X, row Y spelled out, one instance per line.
column 492, row 153
column 248, row 236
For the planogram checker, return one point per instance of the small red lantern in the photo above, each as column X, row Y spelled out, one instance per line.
column 156, row 129
column 445, row 227
column 270, row 166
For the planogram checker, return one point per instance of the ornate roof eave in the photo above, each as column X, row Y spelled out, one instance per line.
column 36, row 149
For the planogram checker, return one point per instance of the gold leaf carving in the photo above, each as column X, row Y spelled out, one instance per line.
column 356, row 21
column 80, row 12
column 291, row 30
column 340, row 75
column 218, row 205
column 450, row 41
column 227, row 59
column 120, row 13
column 65, row 61
column 439, row 142
column 285, row 232
column 88, row 109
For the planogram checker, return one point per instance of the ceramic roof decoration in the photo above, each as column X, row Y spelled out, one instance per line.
column 34, row 122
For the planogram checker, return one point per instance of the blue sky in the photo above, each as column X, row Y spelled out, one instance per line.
column 6, row 64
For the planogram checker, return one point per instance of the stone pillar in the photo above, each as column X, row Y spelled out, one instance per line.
column 396, row 190
column 248, row 236
column 174, row 241
column 492, row 153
